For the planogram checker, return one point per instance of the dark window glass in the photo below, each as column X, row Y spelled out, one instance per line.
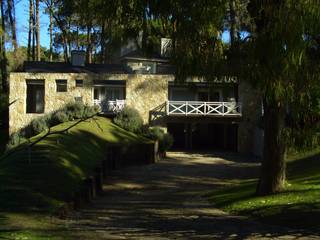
column 95, row 94
column 78, row 99
column 35, row 96
column 79, row 83
column 62, row 85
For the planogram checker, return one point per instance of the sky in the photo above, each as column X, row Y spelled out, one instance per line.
column 22, row 14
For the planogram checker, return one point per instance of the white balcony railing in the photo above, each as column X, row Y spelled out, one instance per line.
column 193, row 108
column 110, row 106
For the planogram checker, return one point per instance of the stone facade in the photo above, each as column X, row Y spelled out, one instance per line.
column 144, row 92
column 248, row 131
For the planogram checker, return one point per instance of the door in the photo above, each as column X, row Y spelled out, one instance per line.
column 215, row 96
column 203, row 96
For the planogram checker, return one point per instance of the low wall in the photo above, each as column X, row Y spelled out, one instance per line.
column 116, row 157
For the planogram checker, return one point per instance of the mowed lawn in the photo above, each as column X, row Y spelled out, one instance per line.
column 298, row 206
column 71, row 157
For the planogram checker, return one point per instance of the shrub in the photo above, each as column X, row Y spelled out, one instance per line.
column 129, row 119
column 59, row 117
column 75, row 110
column 155, row 133
column 39, row 125
column 166, row 143
column 165, row 139
column 89, row 111
column 15, row 140
column 69, row 112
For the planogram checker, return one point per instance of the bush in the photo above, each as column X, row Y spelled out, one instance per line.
column 59, row 117
column 39, row 125
column 90, row 111
column 69, row 112
column 129, row 119
column 75, row 110
column 166, row 143
column 15, row 140
column 165, row 139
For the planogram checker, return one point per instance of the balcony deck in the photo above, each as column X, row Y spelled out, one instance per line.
column 110, row 107
column 194, row 108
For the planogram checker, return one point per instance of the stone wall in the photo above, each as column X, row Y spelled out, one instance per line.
column 144, row 92
column 251, row 115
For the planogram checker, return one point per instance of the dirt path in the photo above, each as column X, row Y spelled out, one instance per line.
column 162, row 201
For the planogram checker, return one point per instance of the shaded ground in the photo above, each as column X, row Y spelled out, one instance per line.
column 163, row 201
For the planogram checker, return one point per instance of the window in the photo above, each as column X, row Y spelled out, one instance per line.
column 35, row 96
column 79, row 83
column 61, row 85
column 78, row 100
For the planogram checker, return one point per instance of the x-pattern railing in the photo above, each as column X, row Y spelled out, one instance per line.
column 110, row 106
column 203, row 108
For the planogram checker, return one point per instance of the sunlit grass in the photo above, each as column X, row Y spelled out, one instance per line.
column 297, row 206
column 72, row 157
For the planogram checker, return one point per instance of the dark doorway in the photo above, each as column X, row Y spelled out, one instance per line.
column 204, row 136
column 177, row 130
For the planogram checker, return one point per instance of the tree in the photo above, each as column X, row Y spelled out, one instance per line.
column 3, row 57
column 12, row 19
column 283, row 67
column 30, row 30
column 37, row 33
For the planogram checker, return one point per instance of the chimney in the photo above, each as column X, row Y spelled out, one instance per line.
column 78, row 58
column 166, row 47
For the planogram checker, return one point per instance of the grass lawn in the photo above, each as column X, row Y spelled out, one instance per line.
column 298, row 206
column 29, row 194
column 73, row 156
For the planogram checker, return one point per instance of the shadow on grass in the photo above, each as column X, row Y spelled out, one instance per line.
column 298, row 206
column 47, row 184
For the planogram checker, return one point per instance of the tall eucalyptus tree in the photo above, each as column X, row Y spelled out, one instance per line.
column 283, row 66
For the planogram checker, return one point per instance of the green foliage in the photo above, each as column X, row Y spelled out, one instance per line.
column 68, row 113
column 39, row 125
column 59, row 117
column 75, row 110
column 165, row 139
column 297, row 206
column 15, row 140
column 57, row 179
column 129, row 119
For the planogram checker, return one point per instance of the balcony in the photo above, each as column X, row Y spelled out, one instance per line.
column 110, row 107
column 193, row 108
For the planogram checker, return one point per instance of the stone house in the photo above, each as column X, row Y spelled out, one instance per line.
column 222, row 115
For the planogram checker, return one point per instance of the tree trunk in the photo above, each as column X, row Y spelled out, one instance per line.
column 33, row 33
column 77, row 39
column 89, row 45
column 273, row 167
column 233, row 22
column 4, row 73
column 12, row 19
column 103, row 42
column 38, row 30
column 50, row 33
column 30, row 28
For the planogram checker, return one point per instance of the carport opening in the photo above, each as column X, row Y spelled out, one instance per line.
column 204, row 136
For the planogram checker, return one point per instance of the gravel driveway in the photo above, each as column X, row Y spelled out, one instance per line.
column 162, row 201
